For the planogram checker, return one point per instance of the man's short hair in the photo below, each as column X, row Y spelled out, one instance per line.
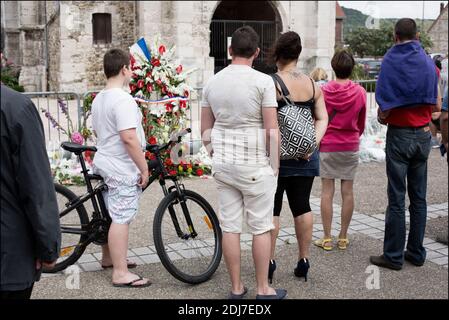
column 343, row 63
column 114, row 60
column 405, row 29
column 245, row 42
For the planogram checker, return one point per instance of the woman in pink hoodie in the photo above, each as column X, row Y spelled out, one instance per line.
column 339, row 149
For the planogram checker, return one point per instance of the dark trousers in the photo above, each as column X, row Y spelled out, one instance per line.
column 16, row 295
column 407, row 151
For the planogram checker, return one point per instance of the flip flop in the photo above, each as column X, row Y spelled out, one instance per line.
column 131, row 284
column 131, row 265
column 233, row 296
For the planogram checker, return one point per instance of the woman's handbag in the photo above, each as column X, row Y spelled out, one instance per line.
column 297, row 126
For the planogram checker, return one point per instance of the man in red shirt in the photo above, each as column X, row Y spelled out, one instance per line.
column 407, row 150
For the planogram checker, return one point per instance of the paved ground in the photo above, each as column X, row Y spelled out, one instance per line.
column 336, row 274
column 333, row 275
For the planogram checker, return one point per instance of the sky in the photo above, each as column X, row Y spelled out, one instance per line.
column 396, row 9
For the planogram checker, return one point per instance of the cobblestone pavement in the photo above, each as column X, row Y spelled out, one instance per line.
column 373, row 226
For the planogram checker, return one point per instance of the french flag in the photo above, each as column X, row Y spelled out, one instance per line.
column 140, row 51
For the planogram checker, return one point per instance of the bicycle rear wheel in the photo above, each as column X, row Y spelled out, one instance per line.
column 188, row 259
column 72, row 245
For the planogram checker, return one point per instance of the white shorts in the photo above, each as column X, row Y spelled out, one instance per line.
column 245, row 190
column 122, row 197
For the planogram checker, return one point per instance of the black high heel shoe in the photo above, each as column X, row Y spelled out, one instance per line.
column 302, row 268
column 271, row 269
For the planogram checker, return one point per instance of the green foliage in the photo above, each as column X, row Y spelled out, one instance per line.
column 358, row 73
column 376, row 42
column 10, row 79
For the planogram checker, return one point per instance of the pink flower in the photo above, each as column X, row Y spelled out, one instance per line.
column 77, row 138
column 179, row 69
column 161, row 50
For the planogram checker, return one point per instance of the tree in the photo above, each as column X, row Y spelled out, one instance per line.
column 376, row 42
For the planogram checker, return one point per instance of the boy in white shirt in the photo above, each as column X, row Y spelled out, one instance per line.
column 120, row 160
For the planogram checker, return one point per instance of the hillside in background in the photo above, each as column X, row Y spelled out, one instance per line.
column 356, row 19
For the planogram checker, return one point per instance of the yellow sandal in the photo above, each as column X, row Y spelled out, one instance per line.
column 321, row 243
column 342, row 243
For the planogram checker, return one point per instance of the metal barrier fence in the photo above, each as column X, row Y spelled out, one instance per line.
column 55, row 106
column 57, row 109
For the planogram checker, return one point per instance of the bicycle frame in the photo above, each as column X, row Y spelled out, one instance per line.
column 93, row 194
column 100, row 211
column 160, row 172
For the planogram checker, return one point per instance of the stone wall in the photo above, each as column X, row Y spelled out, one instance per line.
column 54, row 45
column 81, row 61
column 439, row 33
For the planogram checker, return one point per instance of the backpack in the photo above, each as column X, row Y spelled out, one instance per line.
column 296, row 124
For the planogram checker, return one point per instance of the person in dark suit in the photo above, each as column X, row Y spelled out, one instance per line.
column 30, row 237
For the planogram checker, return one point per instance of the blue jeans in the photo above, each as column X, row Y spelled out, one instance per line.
column 407, row 151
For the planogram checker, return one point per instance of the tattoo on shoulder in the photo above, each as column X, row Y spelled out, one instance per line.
column 295, row 74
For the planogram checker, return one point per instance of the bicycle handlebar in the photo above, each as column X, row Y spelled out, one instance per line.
column 176, row 138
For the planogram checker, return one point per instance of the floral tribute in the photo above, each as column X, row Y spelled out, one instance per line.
column 159, row 87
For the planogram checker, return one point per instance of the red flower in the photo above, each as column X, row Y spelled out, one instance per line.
column 159, row 82
column 182, row 104
column 161, row 50
column 179, row 69
column 147, row 154
column 135, row 76
column 169, row 107
column 155, row 62
column 132, row 60
column 152, row 156
column 199, row 172
column 140, row 84
column 136, row 68
column 149, row 87
column 132, row 87
column 189, row 166
column 152, row 140
column 172, row 172
column 94, row 95
column 186, row 93
column 164, row 90
column 168, row 162
column 148, row 74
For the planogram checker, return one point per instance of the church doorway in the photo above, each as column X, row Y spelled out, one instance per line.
column 231, row 15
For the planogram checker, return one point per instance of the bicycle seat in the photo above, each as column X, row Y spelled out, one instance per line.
column 76, row 148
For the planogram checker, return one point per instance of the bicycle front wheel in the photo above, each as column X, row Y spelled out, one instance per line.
column 73, row 229
column 189, row 258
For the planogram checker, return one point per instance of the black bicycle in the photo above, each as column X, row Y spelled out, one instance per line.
column 186, row 231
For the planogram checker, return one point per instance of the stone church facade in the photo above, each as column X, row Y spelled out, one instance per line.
column 60, row 44
column 438, row 31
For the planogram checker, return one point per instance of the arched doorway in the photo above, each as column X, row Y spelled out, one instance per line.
column 231, row 15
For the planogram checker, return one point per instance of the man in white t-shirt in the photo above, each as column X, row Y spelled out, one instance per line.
column 239, row 127
column 120, row 160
